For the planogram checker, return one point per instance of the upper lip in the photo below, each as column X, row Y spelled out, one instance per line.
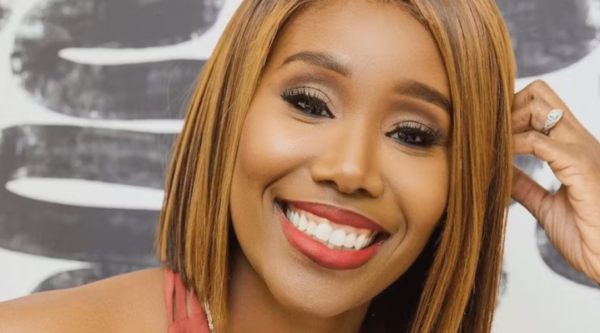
column 337, row 215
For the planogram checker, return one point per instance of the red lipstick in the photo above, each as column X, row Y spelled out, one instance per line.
column 320, row 253
column 337, row 215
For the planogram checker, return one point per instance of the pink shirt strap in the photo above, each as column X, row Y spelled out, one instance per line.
column 177, row 298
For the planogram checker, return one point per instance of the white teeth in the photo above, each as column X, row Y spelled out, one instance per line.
column 323, row 232
column 337, row 237
column 303, row 223
column 294, row 218
column 361, row 241
column 349, row 241
column 312, row 228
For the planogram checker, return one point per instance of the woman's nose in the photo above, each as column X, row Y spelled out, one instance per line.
column 350, row 163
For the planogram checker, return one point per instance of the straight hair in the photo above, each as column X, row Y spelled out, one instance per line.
column 453, row 286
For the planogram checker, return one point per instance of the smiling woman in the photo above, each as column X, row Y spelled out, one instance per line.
column 344, row 166
column 360, row 151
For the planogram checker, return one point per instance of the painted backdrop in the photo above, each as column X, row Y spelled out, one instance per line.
column 92, row 95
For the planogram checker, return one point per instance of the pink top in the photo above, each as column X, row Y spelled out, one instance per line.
column 182, row 319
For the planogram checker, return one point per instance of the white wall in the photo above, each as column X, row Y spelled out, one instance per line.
column 75, row 122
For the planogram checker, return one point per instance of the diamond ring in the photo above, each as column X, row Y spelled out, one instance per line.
column 552, row 119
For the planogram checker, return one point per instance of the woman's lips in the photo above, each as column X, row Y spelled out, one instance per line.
column 337, row 215
column 320, row 253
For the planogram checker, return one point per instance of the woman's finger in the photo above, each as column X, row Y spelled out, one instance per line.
column 538, row 90
column 532, row 107
column 528, row 192
column 534, row 116
column 530, row 116
column 558, row 155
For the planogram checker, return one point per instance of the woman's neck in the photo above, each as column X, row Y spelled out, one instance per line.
column 252, row 307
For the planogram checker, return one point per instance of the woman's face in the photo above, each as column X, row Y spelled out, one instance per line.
column 342, row 168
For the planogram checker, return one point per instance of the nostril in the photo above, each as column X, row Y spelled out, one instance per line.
column 364, row 192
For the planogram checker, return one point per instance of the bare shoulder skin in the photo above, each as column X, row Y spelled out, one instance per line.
column 131, row 302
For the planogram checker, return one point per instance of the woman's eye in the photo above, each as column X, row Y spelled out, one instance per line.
column 308, row 101
column 415, row 134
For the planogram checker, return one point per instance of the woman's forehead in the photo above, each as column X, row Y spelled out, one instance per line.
column 371, row 39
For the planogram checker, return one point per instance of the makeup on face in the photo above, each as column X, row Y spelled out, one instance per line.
column 341, row 173
column 331, row 237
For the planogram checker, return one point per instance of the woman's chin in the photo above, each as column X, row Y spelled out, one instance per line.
column 314, row 302
column 317, row 308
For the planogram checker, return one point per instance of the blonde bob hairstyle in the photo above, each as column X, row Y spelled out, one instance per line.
column 456, row 283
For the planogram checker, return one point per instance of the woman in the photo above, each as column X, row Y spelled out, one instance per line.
column 345, row 166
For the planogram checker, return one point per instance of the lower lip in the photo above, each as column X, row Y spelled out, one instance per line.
column 321, row 254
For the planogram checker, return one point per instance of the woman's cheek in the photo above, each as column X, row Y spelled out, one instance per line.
column 420, row 187
column 273, row 143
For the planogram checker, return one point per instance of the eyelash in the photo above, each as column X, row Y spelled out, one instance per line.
column 304, row 98
column 410, row 133
column 416, row 134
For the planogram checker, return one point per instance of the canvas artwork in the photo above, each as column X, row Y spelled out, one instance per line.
column 93, row 96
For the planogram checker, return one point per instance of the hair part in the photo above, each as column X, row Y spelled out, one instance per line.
column 454, row 283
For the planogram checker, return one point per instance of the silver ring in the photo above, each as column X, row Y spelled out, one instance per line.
column 552, row 119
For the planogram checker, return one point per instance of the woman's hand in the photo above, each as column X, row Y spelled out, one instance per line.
column 571, row 217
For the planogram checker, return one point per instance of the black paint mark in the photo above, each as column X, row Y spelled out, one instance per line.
column 140, row 91
column 88, row 153
column 4, row 15
column 549, row 35
column 111, row 240
column 122, row 23
column 91, row 234
column 83, row 276
column 129, row 92
column 503, row 286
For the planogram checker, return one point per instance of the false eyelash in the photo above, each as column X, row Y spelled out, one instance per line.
column 309, row 101
column 415, row 134
column 410, row 133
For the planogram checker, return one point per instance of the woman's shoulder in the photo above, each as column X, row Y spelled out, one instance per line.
column 133, row 302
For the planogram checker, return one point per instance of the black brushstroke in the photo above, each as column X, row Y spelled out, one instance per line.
column 4, row 15
column 503, row 287
column 549, row 35
column 97, row 154
column 142, row 91
column 113, row 241
column 122, row 23
column 128, row 92
column 80, row 233
column 75, row 278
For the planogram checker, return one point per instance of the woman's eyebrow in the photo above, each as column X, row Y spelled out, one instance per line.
column 423, row 92
column 321, row 59
column 405, row 87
